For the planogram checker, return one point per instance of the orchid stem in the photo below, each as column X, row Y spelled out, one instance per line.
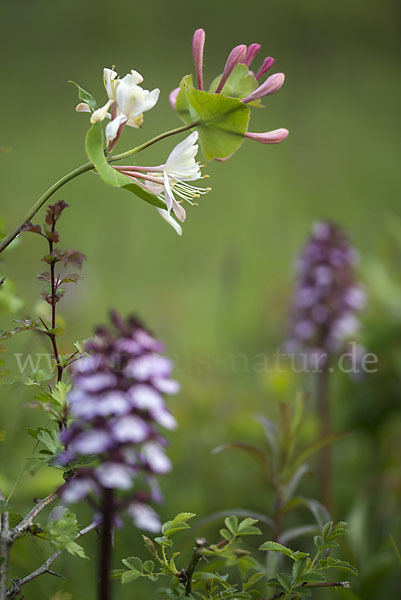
column 79, row 171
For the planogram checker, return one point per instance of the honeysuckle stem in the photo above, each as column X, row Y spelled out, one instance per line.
column 79, row 171
column 158, row 138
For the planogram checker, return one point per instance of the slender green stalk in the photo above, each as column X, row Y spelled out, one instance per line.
column 40, row 202
column 158, row 138
column 79, row 171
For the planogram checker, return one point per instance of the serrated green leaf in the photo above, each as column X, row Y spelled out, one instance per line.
column 298, row 569
column 254, row 578
column 225, row 534
column 95, row 144
column 75, row 549
column 85, row 96
column 232, row 524
column 129, row 576
column 285, row 581
column 148, row 566
column 164, row 541
column 133, row 563
column 312, row 577
column 276, row 547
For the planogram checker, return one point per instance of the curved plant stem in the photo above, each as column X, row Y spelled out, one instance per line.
column 79, row 171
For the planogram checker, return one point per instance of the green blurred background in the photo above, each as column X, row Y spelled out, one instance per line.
column 224, row 287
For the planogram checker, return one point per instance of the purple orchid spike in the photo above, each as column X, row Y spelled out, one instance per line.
column 267, row 64
column 327, row 296
column 235, row 57
column 119, row 409
column 198, row 43
column 270, row 86
column 252, row 51
column 269, row 137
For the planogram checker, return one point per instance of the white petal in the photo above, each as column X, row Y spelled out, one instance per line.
column 101, row 113
column 113, row 127
column 136, row 77
column 111, row 81
column 170, row 220
column 168, row 194
column 83, row 107
column 151, row 99
column 179, row 211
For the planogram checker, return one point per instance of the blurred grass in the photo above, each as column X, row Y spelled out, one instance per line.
column 223, row 288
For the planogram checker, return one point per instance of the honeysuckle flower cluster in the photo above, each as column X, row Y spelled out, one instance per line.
column 327, row 297
column 127, row 101
column 118, row 409
column 172, row 179
column 245, row 55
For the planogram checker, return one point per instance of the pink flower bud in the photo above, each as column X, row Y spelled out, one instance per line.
column 252, row 51
column 267, row 64
column 269, row 137
column 236, row 56
column 198, row 43
column 270, row 86
column 173, row 96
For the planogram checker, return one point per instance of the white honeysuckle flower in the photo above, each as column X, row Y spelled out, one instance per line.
column 171, row 179
column 132, row 101
column 111, row 82
column 126, row 103
column 170, row 220
column 180, row 167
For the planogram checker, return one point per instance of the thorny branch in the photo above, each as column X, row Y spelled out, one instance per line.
column 45, row 568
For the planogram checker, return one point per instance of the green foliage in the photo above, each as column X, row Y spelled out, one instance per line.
column 206, row 581
column 308, row 571
column 85, row 96
column 61, row 533
column 240, row 84
column 284, row 463
column 222, row 121
column 50, row 447
column 95, row 144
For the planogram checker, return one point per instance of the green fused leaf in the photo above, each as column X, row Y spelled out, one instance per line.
column 240, row 84
column 223, row 121
column 95, row 144
column 85, row 96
